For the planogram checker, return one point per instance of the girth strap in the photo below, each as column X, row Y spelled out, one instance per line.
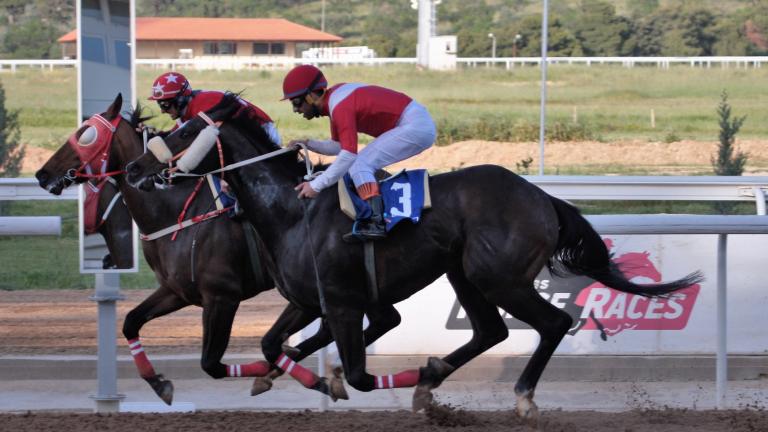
column 370, row 271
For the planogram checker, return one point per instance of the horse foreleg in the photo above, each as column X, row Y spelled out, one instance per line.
column 488, row 329
column 381, row 320
column 291, row 320
column 525, row 304
column 161, row 302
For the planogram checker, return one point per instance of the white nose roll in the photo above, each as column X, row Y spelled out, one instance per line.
column 158, row 148
column 198, row 149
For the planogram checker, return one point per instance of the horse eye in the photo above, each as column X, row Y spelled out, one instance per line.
column 88, row 136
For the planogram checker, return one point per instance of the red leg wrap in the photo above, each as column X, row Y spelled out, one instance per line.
column 140, row 358
column 301, row 374
column 255, row 369
column 407, row 378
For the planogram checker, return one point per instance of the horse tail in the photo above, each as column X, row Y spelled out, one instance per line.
column 581, row 251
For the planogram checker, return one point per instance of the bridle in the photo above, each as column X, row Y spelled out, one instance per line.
column 94, row 153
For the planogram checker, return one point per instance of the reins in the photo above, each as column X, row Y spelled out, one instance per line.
column 173, row 171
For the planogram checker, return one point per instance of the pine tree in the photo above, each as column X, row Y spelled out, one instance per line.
column 11, row 151
column 727, row 162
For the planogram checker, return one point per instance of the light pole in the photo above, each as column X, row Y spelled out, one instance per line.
column 518, row 37
column 493, row 45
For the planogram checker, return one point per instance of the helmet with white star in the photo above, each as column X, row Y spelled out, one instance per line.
column 170, row 85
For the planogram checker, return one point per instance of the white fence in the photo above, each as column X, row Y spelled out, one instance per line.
column 244, row 62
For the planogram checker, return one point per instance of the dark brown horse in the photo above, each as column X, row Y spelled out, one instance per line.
column 116, row 226
column 207, row 265
column 490, row 230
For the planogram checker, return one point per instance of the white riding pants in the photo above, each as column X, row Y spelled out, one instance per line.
column 414, row 133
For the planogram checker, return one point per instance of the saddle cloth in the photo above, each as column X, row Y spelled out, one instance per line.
column 405, row 195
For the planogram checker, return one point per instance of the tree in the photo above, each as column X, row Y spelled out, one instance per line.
column 11, row 151
column 727, row 162
column 600, row 31
column 30, row 40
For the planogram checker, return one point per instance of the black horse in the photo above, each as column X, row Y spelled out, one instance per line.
column 207, row 265
column 490, row 230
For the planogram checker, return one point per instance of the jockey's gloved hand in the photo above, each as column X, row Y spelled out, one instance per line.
column 150, row 129
column 296, row 144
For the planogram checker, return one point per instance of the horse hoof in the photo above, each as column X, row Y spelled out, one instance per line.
column 260, row 385
column 528, row 411
column 337, row 388
column 162, row 387
column 422, row 398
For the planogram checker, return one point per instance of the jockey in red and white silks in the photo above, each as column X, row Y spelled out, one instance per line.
column 176, row 98
column 401, row 126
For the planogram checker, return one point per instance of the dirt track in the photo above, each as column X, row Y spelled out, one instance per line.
column 40, row 322
column 438, row 419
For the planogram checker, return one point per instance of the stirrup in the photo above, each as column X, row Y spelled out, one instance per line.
column 357, row 236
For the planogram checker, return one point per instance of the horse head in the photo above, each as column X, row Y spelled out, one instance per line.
column 87, row 153
column 190, row 147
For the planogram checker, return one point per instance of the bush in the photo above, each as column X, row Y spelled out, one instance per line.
column 500, row 129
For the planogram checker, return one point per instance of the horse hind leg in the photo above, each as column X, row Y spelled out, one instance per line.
column 161, row 302
column 525, row 304
column 488, row 329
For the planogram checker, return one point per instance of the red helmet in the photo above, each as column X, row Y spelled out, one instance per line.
column 170, row 85
column 302, row 80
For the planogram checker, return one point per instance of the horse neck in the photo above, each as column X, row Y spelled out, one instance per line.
column 156, row 210
column 264, row 189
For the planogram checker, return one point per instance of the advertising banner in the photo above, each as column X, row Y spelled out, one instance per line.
column 607, row 321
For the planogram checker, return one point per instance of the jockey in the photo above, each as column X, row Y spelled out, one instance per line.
column 176, row 98
column 401, row 126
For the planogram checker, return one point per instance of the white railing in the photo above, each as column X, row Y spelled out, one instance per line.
column 18, row 189
column 659, row 62
column 279, row 62
column 42, row 64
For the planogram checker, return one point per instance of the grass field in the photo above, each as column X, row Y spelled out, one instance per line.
column 611, row 103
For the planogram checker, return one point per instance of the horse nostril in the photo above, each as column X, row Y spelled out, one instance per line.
column 41, row 176
column 131, row 168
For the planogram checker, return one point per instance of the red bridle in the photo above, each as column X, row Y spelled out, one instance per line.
column 94, row 154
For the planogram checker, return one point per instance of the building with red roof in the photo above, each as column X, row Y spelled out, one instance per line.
column 188, row 37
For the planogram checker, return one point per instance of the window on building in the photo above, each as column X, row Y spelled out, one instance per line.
column 227, row 48
column 278, row 48
column 260, row 48
column 219, row 48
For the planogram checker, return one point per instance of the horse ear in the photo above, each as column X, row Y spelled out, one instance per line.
column 114, row 109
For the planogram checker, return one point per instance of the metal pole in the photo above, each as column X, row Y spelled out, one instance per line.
column 107, row 293
column 425, row 16
column 543, row 110
column 721, row 374
column 322, row 17
column 322, row 358
column 759, row 200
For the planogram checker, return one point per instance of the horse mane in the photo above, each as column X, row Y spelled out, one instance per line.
column 135, row 116
column 243, row 118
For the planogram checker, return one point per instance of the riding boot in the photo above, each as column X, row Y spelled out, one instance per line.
column 373, row 228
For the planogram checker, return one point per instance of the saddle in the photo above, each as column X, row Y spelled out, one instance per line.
column 405, row 194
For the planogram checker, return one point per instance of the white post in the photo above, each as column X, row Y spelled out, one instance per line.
column 543, row 110
column 425, row 16
column 107, row 293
